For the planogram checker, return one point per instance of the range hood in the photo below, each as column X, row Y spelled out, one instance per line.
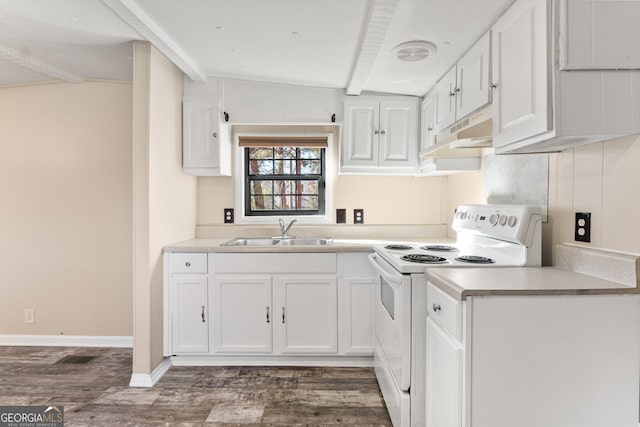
column 465, row 138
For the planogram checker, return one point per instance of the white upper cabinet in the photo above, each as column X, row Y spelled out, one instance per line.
column 465, row 87
column 427, row 122
column 379, row 135
column 599, row 34
column 537, row 107
column 206, row 137
column 520, row 72
column 266, row 103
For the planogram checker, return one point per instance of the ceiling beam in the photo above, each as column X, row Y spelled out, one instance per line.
column 380, row 17
column 19, row 58
column 132, row 14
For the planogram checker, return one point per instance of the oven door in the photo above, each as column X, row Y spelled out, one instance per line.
column 392, row 320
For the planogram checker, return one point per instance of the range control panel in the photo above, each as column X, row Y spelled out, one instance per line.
column 506, row 222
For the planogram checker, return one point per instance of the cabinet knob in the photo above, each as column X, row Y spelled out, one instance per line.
column 494, row 85
column 382, row 132
column 452, row 93
column 375, row 132
column 202, row 314
column 436, row 307
column 457, row 89
column 282, row 314
column 215, row 134
column 268, row 320
column 430, row 128
column 188, row 264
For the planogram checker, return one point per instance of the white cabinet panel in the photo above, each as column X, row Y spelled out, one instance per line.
column 445, row 100
column 520, row 72
column 242, row 312
column 472, row 91
column 379, row 135
column 443, row 378
column 189, row 314
column 249, row 102
column 307, row 310
column 355, row 315
column 599, row 34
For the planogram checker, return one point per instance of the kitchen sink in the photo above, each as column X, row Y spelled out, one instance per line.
column 279, row 241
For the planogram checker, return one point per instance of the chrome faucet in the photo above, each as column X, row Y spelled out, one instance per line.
column 285, row 228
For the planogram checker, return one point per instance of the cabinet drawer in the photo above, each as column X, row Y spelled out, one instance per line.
column 445, row 310
column 187, row 263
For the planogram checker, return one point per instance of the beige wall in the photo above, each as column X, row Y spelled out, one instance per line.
column 65, row 209
column 603, row 179
column 165, row 197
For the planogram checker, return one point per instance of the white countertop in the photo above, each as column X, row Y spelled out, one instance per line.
column 578, row 271
column 461, row 283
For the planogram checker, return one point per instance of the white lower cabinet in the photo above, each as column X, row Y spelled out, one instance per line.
column 307, row 320
column 242, row 314
column 251, row 305
column 530, row 361
column 190, row 327
column 444, row 377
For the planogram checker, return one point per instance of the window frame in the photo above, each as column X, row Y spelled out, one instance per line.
column 248, row 178
column 330, row 165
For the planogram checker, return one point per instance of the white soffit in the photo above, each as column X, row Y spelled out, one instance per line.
column 18, row 58
column 133, row 15
column 382, row 12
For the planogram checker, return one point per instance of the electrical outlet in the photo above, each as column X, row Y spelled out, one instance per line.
column 358, row 216
column 29, row 315
column 583, row 227
column 228, row 216
column 341, row 216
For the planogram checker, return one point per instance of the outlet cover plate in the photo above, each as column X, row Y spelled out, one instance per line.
column 358, row 216
column 583, row 227
column 228, row 216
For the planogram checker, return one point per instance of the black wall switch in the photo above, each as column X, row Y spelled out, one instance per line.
column 228, row 216
column 341, row 216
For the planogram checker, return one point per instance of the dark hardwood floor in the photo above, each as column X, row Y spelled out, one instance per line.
column 95, row 392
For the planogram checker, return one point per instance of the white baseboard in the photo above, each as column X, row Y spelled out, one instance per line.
column 66, row 341
column 149, row 380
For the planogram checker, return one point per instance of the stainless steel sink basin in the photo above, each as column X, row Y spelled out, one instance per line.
column 306, row 241
column 273, row 241
column 251, row 241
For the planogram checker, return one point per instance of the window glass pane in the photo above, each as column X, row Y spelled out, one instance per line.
column 308, row 203
column 261, row 187
column 261, row 203
column 310, row 153
column 285, row 167
column 310, row 167
column 285, row 152
column 261, row 153
column 260, row 167
column 308, row 187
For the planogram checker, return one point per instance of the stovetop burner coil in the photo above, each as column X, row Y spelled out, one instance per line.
column 439, row 248
column 398, row 247
column 474, row 259
column 424, row 259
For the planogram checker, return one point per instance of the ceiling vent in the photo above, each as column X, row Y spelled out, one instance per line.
column 414, row 51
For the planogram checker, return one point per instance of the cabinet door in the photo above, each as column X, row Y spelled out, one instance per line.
column 360, row 133
column 473, row 78
column 200, row 134
column 307, row 315
column 242, row 314
column 445, row 101
column 189, row 314
column 356, row 315
column 520, row 73
column 427, row 132
column 443, row 378
column 398, row 133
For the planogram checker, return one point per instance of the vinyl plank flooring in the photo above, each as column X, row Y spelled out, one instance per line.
column 96, row 393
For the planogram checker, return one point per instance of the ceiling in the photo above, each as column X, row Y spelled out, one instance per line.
column 327, row 43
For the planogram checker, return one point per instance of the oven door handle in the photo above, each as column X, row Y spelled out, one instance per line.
column 391, row 278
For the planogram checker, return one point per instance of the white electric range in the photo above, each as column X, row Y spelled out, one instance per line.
column 487, row 236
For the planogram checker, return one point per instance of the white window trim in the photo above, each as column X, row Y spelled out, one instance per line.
column 327, row 218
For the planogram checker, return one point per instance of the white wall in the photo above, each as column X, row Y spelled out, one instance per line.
column 603, row 179
column 165, row 197
column 65, row 209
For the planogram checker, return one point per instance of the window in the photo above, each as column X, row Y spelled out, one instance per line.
column 284, row 176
